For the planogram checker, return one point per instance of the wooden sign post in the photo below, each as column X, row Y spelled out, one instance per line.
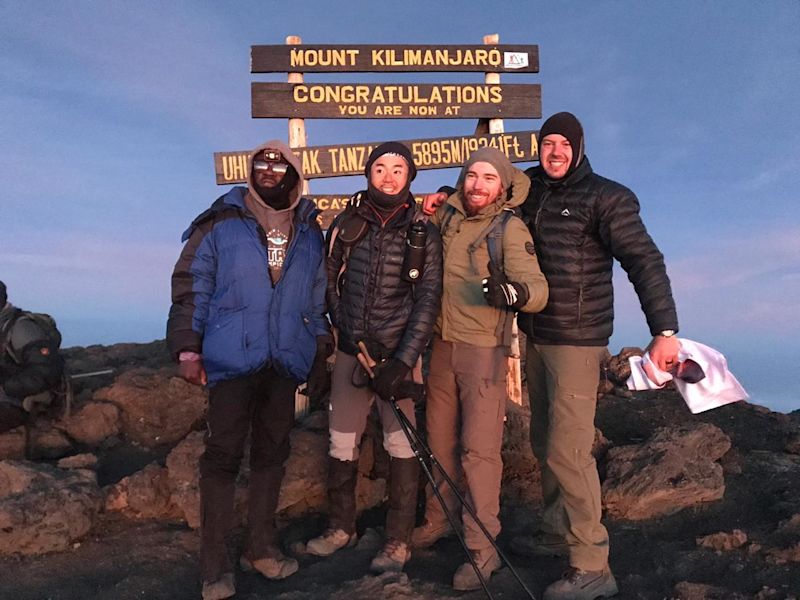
column 297, row 127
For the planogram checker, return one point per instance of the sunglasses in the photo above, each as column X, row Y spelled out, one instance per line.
column 276, row 167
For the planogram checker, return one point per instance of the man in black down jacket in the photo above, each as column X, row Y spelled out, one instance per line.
column 370, row 302
column 581, row 222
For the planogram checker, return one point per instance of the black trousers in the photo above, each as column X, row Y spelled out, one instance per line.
column 261, row 404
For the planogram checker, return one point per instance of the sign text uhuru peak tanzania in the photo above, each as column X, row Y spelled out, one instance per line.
column 349, row 159
column 522, row 58
column 377, row 101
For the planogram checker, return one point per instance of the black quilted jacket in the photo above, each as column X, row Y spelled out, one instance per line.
column 579, row 226
column 371, row 302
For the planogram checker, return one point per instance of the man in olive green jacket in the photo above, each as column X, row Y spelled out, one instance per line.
column 467, row 380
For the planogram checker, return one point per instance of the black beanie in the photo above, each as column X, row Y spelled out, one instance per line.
column 392, row 148
column 3, row 294
column 566, row 124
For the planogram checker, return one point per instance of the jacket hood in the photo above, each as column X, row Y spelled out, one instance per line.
column 305, row 210
column 520, row 185
column 289, row 156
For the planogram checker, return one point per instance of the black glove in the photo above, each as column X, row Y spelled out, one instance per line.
column 502, row 293
column 319, row 379
column 388, row 376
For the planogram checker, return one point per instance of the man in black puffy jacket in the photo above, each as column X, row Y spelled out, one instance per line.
column 369, row 301
column 581, row 223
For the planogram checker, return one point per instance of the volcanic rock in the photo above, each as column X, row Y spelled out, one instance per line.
column 157, row 409
column 12, row 444
column 43, row 508
column 674, row 469
column 92, row 423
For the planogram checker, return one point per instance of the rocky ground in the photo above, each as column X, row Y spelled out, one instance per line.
column 698, row 506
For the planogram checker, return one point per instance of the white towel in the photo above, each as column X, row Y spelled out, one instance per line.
column 718, row 388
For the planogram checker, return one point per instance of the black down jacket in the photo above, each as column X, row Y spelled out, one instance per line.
column 579, row 225
column 371, row 302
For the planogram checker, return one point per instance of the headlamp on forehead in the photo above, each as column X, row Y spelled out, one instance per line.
column 272, row 155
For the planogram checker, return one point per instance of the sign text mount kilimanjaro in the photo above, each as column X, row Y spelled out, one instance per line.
column 326, row 58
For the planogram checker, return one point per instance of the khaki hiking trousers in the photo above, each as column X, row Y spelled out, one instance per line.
column 562, row 385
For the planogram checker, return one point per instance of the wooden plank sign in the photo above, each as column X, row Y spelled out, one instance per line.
column 328, row 58
column 332, row 205
column 395, row 101
column 349, row 159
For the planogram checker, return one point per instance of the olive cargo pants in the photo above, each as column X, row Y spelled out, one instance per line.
column 464, row 421
column 562, row 385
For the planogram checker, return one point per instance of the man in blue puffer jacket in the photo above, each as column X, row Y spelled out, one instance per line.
column 248, row 319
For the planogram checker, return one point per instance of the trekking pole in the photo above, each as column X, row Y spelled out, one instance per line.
column 416, row 443
column 407, row 426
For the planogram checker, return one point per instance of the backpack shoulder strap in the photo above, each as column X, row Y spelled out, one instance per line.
column 493, row 234
column 494, row 238
column 449, row 211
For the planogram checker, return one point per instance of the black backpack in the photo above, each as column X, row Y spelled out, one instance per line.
column 58, row 401
column 43, row 321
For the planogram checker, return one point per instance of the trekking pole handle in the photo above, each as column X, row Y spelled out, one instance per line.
column 366, row 360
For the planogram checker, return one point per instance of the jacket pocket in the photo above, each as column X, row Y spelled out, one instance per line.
column 224, row 343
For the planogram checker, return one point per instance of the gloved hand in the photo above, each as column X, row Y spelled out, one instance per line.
column 193, row 371
column 388, row 376
column 502, row 293
column 319, row 379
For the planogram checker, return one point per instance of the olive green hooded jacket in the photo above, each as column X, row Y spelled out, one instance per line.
column 466, row 317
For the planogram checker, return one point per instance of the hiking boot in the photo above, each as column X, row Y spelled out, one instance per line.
column 330, row 541
column 466, row 578
column 220, row 589
column 392, row 557
column 540, row 544
column 271, row 567
column 429, row 533
column 576, row 584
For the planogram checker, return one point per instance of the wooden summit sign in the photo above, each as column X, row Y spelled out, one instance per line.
column 331, row 205
column 328, row 58
column 395, row 101
column 349, row 159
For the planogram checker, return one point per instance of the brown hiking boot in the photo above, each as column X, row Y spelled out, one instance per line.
column 276, row 566
column 392, row 558
column 466, row 578
column 576, row 584
column 220, row 589
column 330, row 541
column 429, row 533
column 540, row 544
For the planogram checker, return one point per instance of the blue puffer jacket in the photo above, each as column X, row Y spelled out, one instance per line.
column 225, row 306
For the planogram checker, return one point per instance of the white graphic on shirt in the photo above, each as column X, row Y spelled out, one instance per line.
column 276, row 248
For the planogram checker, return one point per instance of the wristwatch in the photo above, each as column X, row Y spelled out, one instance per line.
column 667, row 333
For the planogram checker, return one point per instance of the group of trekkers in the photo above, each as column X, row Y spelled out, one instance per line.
column 256, row 290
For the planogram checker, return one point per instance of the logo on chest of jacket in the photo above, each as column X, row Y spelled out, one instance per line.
column 565, row 212
column 530, row 249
